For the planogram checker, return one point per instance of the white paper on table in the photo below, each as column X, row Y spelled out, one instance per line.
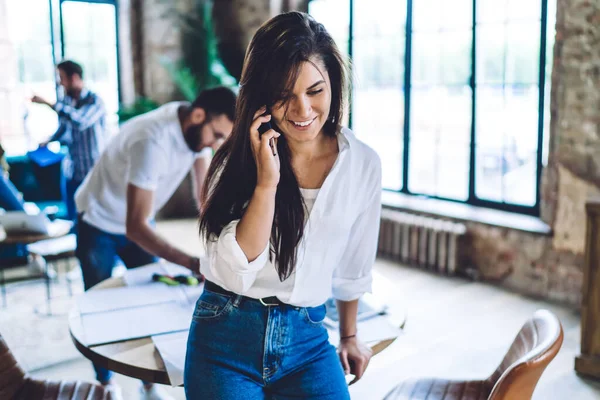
column 370, row 330
column 172, row 348
column 94, row 301
column 136, row 322
column 143, row 275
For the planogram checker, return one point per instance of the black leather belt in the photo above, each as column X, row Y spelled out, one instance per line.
column 265, row 301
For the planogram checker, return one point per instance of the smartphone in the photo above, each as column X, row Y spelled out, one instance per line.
column 265, row 126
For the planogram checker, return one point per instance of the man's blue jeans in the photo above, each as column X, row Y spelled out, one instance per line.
column 97, row 251
column 239, row 349
column 71, row 187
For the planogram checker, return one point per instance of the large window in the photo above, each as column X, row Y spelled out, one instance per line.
column 84, row 31
column 30, row 33
column 90, row 37
column 453, row 95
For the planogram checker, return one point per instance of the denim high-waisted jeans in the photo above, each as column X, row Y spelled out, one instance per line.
column 240, row 349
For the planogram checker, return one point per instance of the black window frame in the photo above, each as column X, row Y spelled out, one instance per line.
column 472, row 198
column 59, row 43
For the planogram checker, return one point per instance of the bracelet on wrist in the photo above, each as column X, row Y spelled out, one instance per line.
column 347, row 337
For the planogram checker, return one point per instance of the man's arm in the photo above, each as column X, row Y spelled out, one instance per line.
column 139, row 207
column 199, row 172
column 83, row 117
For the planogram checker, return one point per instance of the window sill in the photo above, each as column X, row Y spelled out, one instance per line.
column 464, row 212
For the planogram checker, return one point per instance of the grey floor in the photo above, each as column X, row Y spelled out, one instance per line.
column 455, row 329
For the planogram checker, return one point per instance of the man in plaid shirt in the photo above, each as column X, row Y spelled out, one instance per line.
column 82, row 128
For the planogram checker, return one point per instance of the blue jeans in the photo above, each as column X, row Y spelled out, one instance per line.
column 239, row 349
column 97, row 251
column 69, row 197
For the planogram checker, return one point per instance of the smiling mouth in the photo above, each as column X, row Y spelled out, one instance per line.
column 303, row 124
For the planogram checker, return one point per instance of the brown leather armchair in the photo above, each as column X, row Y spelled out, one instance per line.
column 15, row 384
column 515, row 378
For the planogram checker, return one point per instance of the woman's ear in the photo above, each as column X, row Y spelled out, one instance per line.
column 197, row 116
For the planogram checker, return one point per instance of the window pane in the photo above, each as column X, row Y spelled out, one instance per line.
column 422, row 165
column 524, row 9
column 493, row 11
column 378, row 108
column 440, row 124
column 456, row 57
column 507, row 109
column 90, row 38
column 523, row 53
column 454, row 123
column 488, row 172
column 457, row 14
column 369, row 21
column 426, row 59
column 335, row 16
column 30, row 33
column 378, row 120
column 519, row 180
column 440, row 137
column 425, row 107
column 490, row 54
column 453, row 169
column 427, row 15
column 521, row 115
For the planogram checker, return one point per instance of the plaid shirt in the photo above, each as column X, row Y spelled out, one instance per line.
column 82, row 128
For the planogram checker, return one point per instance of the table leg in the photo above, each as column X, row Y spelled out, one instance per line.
column 48, row 294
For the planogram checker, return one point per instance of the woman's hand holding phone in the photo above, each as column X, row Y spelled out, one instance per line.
column 264, row 147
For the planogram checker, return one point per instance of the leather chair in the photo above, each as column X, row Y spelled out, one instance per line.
column 515, row 378
column 15, row 384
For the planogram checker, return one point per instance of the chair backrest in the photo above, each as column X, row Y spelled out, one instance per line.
column 15, row 384
column 12, row 376
column 534, row 347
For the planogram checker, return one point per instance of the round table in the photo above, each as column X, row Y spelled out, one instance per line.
column 138, row 358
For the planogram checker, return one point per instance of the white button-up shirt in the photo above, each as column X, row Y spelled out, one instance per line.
column 338, row 248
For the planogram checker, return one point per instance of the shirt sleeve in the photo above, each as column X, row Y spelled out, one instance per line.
column 83, row 117
column 352, row 278
column 147, row 160
column 231, row 266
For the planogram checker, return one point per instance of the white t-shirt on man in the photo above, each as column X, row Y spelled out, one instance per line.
column 149, row 152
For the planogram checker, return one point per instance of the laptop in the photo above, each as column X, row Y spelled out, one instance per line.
column 19, row 222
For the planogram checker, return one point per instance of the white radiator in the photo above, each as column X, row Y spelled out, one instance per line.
column 422, row 241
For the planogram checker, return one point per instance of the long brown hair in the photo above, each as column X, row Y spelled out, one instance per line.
column 271, row 67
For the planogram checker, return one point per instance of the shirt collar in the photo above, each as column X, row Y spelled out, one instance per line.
column 344, row 139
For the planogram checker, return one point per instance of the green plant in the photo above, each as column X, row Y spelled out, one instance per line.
column 140, row 106
column 200, row 66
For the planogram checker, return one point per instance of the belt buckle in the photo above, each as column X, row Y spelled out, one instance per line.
column 267, row 304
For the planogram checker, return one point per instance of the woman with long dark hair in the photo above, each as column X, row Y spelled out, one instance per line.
column 291, row 218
